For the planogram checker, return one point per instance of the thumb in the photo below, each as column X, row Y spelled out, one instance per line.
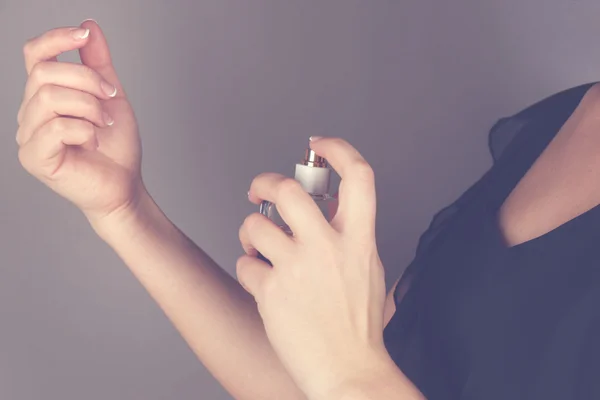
column 96, row 55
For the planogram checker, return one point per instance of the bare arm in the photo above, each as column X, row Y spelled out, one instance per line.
column 67, row 142
column 214, row 314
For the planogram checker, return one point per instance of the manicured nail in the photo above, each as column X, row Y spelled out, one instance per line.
column 109, row 89
column 315, row 138
column 89, row 19
column 108, row 119
column 80, row 33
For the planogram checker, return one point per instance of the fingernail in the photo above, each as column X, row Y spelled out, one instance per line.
column 108, row 119
column 248, row 193
column 89, row 19
column 109, row 89
column 80, row 33
column 315, row 138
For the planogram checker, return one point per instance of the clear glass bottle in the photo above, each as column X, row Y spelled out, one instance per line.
column 313, row 174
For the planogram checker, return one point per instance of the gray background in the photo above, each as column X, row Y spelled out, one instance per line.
column 225, row 90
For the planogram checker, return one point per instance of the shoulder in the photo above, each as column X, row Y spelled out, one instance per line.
column 559, row 101
column 556, row 107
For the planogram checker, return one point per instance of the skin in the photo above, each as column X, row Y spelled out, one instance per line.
column 79, row 136
column 322, row 302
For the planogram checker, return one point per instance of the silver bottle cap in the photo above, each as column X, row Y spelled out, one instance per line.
column 311, row 159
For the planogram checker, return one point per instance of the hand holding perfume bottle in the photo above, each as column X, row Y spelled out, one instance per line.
column 314, row 176
column 322, row 299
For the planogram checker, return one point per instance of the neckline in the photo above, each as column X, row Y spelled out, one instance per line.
column 554, row 236
column 541, row 129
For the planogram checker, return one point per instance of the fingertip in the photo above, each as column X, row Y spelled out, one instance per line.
column 321, row 145
column 107, row 119
column 88, row 20
column 80, row 34
column 313, row 142
column 253, row 198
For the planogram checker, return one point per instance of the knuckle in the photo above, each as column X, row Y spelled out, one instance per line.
column 22, row 156
column 241, row 234
column 240, row 271
column 363, row 171
column 261, row 177
column 85, row 126
column 59, row 125
column 39, row 72
column 28, row 47
column 238, row 267
column 86, row 73
column 91, row 102
column 89, row 105
column 251, row 222
column 337, row 141
column 288, row 187
column 46, row 93
column 19, row 136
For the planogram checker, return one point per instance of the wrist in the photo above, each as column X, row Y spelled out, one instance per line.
column 381, row 380
column 137, row 215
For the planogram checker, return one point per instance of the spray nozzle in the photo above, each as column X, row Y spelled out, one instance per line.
column 311, row 159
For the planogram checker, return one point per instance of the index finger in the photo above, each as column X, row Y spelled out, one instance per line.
column 52, row 43
column 357, row 199
column 294, row 205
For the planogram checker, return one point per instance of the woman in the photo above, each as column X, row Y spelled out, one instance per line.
column 500, row 301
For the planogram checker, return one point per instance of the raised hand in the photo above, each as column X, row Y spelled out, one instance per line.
column 77, row 131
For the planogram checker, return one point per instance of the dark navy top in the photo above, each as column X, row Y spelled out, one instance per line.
column 484, row 321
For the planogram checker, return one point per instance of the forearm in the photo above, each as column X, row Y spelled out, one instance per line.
column 214, row 314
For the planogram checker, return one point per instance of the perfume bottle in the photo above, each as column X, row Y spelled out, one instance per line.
column 313, row 174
